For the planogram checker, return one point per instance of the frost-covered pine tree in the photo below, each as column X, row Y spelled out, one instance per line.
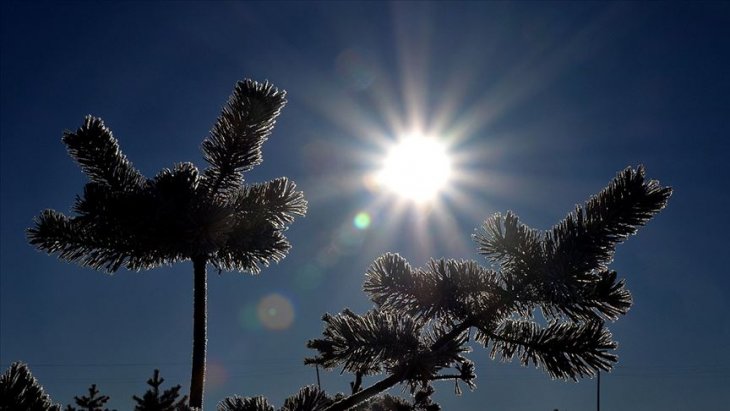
column 19, row 390
column 213, row 217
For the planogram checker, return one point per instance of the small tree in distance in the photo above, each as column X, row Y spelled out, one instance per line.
column 92, row 402
column 126, row 220
column 154, row 400
column 545, row 300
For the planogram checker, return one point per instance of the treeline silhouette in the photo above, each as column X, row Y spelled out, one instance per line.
column 20, row 391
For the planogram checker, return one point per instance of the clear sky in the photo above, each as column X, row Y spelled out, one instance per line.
column 540, row 104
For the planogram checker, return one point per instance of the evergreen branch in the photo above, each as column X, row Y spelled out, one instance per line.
column 276, row 201
column 236, row 403
column 55, row 233
column 392, row 284
column 446, row 288
column 179, row 184
column 441, row 377
column 251, row 245
column 101, row 205
column 563, row 270
column 366, row 343
column 466, row 374
column 461, row 288
column 309, row 398
column 603, row 295
column 98, row 154
column 75, row 241
column 126, row 221
column 516, row 248
column 565, row 350
column 425, row 366
column 234, row 144
column 411, row 362
column 384, row 403
column 587, row 238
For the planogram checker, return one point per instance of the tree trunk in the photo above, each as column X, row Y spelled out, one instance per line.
column 197, row 380
column 354, row 399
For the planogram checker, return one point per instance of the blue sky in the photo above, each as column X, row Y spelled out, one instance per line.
column 540, row 104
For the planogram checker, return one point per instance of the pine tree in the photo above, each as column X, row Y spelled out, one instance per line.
column 545, row 300
column 153, row 400
column 19, row 390
column 91, row 402
column 126, row 220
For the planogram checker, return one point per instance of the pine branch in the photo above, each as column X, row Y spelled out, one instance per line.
column 575, row 281
column 587, row 238
column 309, row 398
column 55, row 233
column 236, row 403
column 602, row 297
column 234, row 144
column 366, row 343
column 384, row 403
column 516, row 248
column 276, row 201
column 565, row 350
column 563, row 271
column 392, row 283
column 98, row 154
column 251, row 245
column 466, row 374
column 363, row 345
column 74, row 241
column 448, row 289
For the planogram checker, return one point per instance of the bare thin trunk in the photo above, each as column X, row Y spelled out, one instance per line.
column 197, row 380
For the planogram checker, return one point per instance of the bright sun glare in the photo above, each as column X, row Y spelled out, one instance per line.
column 416, row 168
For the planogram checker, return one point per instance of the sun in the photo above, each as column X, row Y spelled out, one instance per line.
column 416, row 168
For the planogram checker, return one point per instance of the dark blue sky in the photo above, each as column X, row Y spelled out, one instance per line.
column 541, row 103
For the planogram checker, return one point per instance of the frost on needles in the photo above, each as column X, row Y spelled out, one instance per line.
column 544, row 300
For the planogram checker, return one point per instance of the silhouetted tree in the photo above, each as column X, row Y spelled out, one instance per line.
column 545, row 300
column 91, row 402
column 19, row 390
column 153, row 400
column 126, row 220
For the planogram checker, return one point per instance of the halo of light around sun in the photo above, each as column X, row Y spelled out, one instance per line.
column 415, row 168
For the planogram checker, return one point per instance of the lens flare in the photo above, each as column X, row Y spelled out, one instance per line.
column 216, row 375
column 275, row 312
column 361, row 220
